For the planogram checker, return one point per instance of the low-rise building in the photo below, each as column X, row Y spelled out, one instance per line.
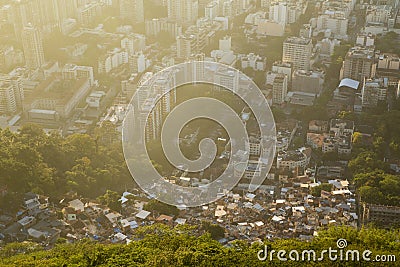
column 341, row 127
column 291, row 160
column 112, row 59
column 385, row 216
column 318, row 126
column 57, row 95
column 75, row 72
column 337, row 144
column 250, row 169
column 308, row 81
column 315, row 140
column 253, row 61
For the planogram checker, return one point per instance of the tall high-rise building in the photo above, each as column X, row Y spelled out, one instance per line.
column 155, row 26
column 298, row 51
column 278, row 12
column 227, row 9
column 11, row 93
column 8, row 104
column 23, row 13
column 47, row 15
column 137, row 62
column 335, row 22
column 87, row 13
column 212, row 10
column 51, row 18
column 226, row 78
column 358, row 64
column 279, row 88
column 183, row 11
column 192, row 42
column 373, row 91
column 67, row 9
column 282, row 67
column 132, row 10
column 151, row 114
column 133, row 43
column 225, row 44
column 32, row 43
column 185, row 46
column 17, row 84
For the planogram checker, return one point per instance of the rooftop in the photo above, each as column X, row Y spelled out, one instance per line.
column 291, row 156
column 298, row 40
column 56, row 89
column 349, row 83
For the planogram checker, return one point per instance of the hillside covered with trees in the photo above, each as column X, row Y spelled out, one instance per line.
column 33, row 161
column 159, row 245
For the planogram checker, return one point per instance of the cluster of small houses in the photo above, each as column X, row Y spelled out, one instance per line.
column 288, row 210
column 333, row 137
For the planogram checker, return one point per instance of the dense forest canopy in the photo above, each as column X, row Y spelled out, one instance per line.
column 49, row 164
column 159, row 245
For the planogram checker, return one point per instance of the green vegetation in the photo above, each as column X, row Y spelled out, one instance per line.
column 51, row 165
column 216, row 231
column 378, row 187
column 159, row 245
column 389, row 43
column 161, row 208
column 369, row 164
column 111, row 200
column 53, row 44
column 316, row 191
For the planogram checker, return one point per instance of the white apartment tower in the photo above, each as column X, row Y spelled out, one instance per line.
column 132, row 10
column 298, row 51
column 225, row 44
column 8, row 102
column 16, row 84
column 32, row 43
column 278, row 12
column 183, row 11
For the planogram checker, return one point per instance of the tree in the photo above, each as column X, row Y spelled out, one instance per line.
column 111, row 200
column 347, row 115
column 366, row 161
column 160, row 245
column 388, row 43
column 259, row 78
column 278, row 113
column 106, row 134
column 378, row 187
column 32, row 161
column 330, row 156
column 216, row 231
column 161, row 208
column 298, row 142
column 390, row 185
column 370, row 194
column 316, row 191
column 80, row 145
